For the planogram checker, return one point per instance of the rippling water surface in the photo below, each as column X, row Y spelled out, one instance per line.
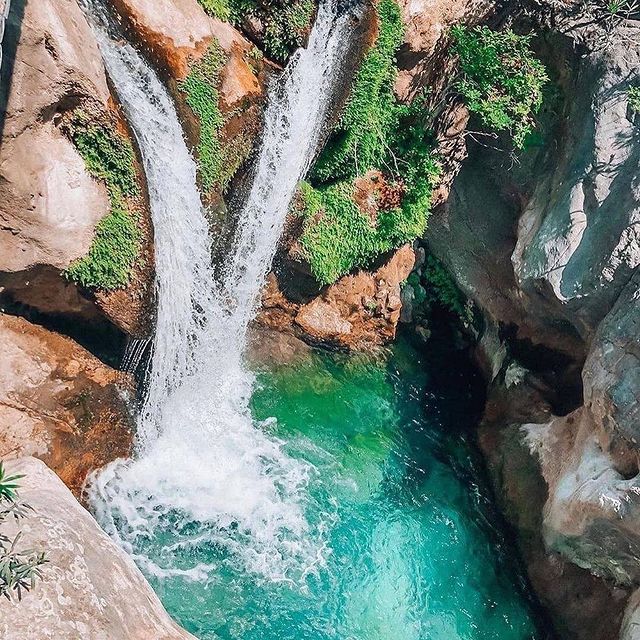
column 399, row 521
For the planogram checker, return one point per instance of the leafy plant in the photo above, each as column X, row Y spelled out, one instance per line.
column 109, row 157
column 375, row 132
column 360, row 139
column 501, row 80
column 285, row 23
column 442, row 289
column 19, row 568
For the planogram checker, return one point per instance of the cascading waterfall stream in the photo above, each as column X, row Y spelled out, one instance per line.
column 203, row 469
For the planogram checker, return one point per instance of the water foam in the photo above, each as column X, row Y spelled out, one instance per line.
column 203, row 470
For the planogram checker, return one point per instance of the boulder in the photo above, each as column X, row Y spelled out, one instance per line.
column 177, row 33
column 551, row 244
column 49, row 205
column 91, row 589
column 59, row 403
column 358, row 311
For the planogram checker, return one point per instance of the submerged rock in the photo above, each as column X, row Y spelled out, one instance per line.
column 91, row 589
column 59, row 403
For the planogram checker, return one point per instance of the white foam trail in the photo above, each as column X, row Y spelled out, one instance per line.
column 200, row 457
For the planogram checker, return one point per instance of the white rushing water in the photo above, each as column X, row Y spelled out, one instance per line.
column 201, row 463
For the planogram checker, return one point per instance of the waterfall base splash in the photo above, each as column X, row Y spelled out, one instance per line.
column 203, row 468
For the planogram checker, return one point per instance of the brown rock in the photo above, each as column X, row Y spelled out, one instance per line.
column 358, row 311
column 174, row 31
column 49, row 205
column 59, row 403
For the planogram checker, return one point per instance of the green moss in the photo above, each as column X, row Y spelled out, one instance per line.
column 113, row 253
column 109, row 157
column 202, row 96
column 633, row 96
column 501, row 79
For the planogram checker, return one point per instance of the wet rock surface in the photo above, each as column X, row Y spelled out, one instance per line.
column 59, row 403
column 358, row 311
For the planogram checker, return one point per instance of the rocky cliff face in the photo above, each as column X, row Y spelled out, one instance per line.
column 549, row 252
column 51, row 204
column 59, row 403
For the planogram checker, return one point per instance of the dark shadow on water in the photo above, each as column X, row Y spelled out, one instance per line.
column 454, row 400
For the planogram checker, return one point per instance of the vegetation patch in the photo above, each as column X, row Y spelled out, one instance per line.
column 285, row 24
column 375, row 133
column 501, row 79
column 109, row 157
column 442, row 289
column 201, row 89
column 19, row 568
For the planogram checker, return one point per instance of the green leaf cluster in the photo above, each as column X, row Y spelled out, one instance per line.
column 501, row 79
column 286, row 23
column 437, row 286
column 375, row 132
column 19, row 568
column 360, row 140
column 109, row 157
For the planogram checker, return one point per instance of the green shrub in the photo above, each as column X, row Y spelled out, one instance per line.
column 501, row 80
column 201, row 89
column 360, row 140
column 113, row 252
column 633, row 96
column 19, row 568
column 109, row 157
column 338, row 236
column 374, row 132
column 442, row 289
column 285, row 23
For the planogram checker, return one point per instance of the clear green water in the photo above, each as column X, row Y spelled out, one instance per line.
column 406, row 546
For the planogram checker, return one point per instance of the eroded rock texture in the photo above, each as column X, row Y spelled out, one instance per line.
column 91, row 588
column 549, row 249
column 49, row 204
column 59, row 403
column 358, row 311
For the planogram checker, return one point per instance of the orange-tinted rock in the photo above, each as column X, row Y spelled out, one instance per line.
column 59, row 403
column 178, row 32
column 358, row 311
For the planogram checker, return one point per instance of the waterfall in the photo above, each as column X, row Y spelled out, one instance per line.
column 202, row 467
